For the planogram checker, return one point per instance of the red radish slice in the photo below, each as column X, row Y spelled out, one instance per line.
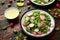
column 42, row 17
column 34, row 33
column 39, row 33
column 29, row 14
column 48, row 29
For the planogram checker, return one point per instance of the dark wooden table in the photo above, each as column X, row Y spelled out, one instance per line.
column 6, row 34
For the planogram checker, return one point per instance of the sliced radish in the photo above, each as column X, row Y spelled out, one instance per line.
column 27, row 18
column 36, row 30
column 34, row 33
column 46, row 0
column 29, row 14
column 38, row 24
column 32, row 17
column 24, row 24
column 31, row 25
column 42, row 17
column 39, row 33
column 48, row 29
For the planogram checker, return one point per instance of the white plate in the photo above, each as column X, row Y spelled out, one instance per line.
column 51, row 28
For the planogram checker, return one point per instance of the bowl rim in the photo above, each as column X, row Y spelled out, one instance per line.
column 43, row 4
column 30, row 33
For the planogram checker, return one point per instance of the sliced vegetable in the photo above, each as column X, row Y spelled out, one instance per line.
column 36, row 30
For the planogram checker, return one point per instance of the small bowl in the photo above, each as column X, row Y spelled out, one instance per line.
column 11, row 13
column 41, row 4
column 51, row 28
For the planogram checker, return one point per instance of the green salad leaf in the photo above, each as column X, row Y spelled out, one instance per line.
column 36, row 13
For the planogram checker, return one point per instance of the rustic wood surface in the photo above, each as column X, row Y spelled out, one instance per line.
column 6, row 34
